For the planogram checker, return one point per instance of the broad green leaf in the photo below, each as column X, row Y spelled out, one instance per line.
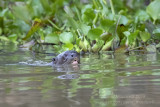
column 153, row 9
column 3, row 12
column 36, row 25
column 77, row 48
column 123, row 20
column 22, row 25
column 84, row 28
column 72, row 23
column 52, row 38
column 131, row 37
column 66, row 37
column 96, row 47
column 105, row 7
column 13, row 37
column 142, row 15
column 106, row 24
column 105, row 36
column 156, row 32
column 3, row 38
column 88, row 15
column 145, row 36
column 36, row 8
column 120, row 30
column 107, row 45
column 84, row 45
column 46, row 5
column 68, row 46
column 22, row 12
column 94, row 33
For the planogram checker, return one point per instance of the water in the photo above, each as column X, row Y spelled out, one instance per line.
column 105, row 80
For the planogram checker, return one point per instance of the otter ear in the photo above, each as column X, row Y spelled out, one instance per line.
column 53, row 59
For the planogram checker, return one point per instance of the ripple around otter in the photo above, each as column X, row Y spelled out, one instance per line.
column 100, row 81
column 36, row 63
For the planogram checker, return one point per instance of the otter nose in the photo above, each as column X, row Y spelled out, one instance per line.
column 75, row 59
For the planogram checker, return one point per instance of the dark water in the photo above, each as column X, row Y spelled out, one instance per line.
column 100, row 80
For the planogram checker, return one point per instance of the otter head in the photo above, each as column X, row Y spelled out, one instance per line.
column 72, row 58
column 67, row 57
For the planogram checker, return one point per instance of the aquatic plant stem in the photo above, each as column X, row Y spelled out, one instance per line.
column 117, row 24
column 95, row 4
column 112, row 7
column 54, row 25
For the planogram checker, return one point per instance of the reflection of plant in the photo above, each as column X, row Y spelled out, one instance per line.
column 95, row 26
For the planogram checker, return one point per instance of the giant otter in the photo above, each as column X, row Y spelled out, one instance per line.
column 67, row 57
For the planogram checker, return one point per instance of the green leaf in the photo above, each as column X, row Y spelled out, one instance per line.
column 4, row 11
column 156, row 32
column 77, row 48
column 36, row 25
column 22, row 12
column 120, row 30
column 68, row 46
column 96, row 47
column 105, row 36
column 66, row 37
column 88, row 15
column 3, row 38
column 106, row 24
column 84, row 45
column 142, row 15
column 105, row 7
column 13, row 37
column 45, row 5
column 153, row 9
column 52, row 38
column 72, row 23
column 94, row 33
column 107, row 45
column 131, row 37
column 84, row 28
column 145, row 36
column 123, row 20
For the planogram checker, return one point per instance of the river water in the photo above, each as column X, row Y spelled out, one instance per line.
column 105, row 80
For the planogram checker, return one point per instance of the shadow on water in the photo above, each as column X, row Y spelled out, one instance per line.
column 104, row 80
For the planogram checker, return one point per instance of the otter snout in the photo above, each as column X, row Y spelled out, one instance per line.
column 75, row 61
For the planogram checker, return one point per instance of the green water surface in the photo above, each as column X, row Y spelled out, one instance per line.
column 104, row 80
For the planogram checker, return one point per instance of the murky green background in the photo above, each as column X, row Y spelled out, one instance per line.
column 104, row 80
